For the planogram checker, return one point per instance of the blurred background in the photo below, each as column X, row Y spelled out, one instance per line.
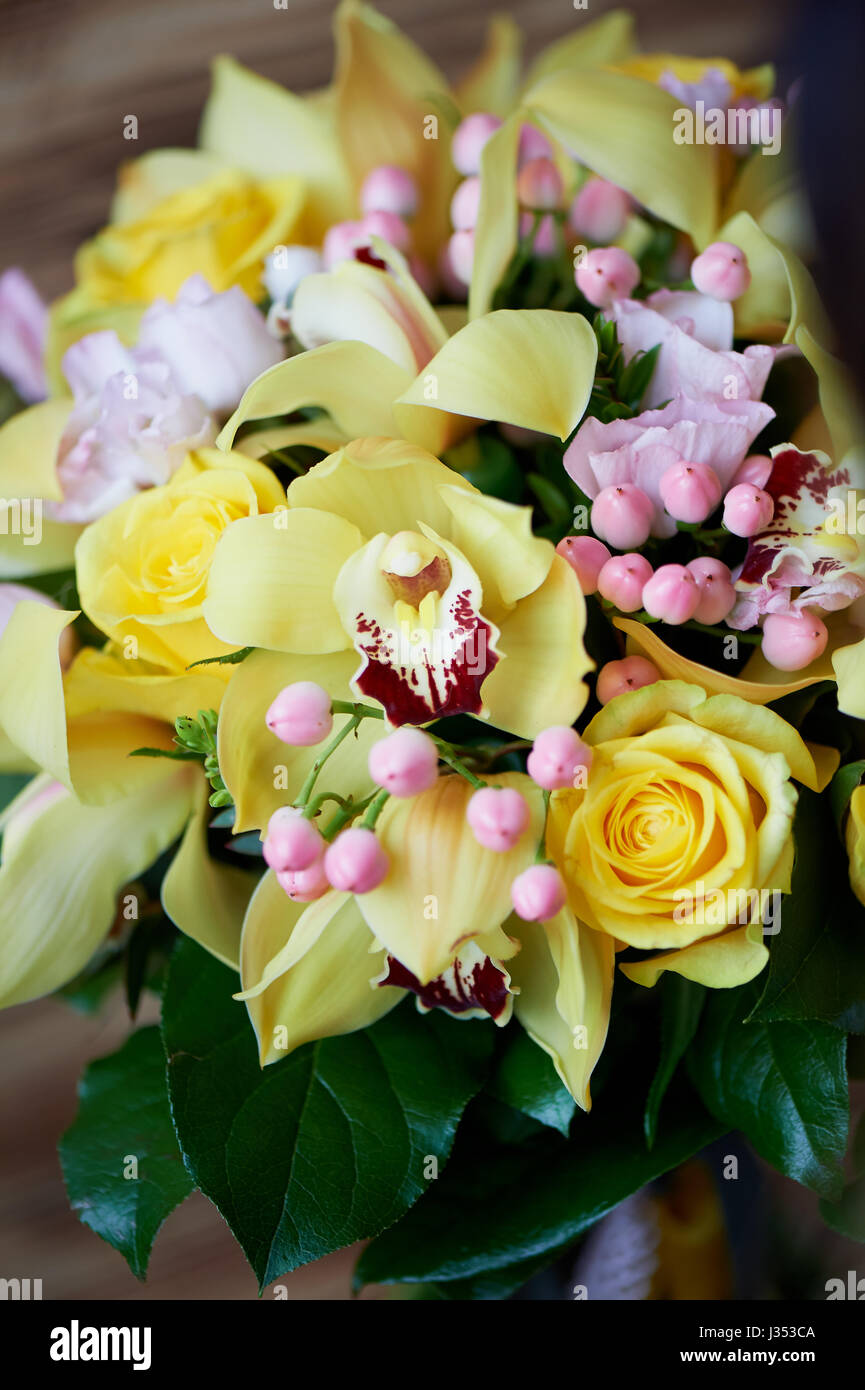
column 70, row 70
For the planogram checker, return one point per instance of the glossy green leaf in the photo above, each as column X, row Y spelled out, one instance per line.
column 681, row 1005
column 526, row 1079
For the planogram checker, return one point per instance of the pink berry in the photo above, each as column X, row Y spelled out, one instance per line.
column 618, row 677
column 388, row 226
column 586, row 557
column 538, row 893
column 756, row 469
column 304, row 885
column 721, row 271
column 599, row 211
column 498, row 816
column 690, row 491
column 556, row 754
column 341, row 241
column 469, row 139
column 533, row 145
column 465, row 204
column 405, row 762
column 544, row 243
column 793, row 640
column 606, row 274
column 539, row 185
column 389, row 189
column 623, row 579
column 671, row 594
column 715, row 583
column 291, row 843
column 747, row 509
column 356, row 862
column 622, row 515
column 300, row 714
column 461, row 255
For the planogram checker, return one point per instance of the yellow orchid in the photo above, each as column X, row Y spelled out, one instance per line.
column 443, row 920
column 447, row 600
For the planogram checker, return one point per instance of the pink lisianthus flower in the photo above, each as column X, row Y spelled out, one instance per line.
column 718, row 433
column 696, row 337
column 23, row 324
column 215, row 344
column 130, row 427
column 800, row 560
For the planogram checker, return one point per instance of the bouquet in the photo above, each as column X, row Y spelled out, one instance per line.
column 433, row 669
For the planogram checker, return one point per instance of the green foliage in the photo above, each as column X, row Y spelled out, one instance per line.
column 526, row 1080
column 196, row 742
column 618, row 388
column 681, row 1005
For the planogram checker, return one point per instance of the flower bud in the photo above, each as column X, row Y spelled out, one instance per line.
column 538, row 893
column 292, row 843
column 470, row 136
column 498, row 816
column 599, row 211
column 690, row 491
column 618, row 677
column 356, row 862
column 792, row 641
column 586, row 557
column 671, row 594
column 721, row 271
column 405, row 762
column 747, row 509
column 623, row 579
column 556, row 754
column 300, row 714
column 389, row 189
column 606, row 274
column 717, row 592
column 622, row 515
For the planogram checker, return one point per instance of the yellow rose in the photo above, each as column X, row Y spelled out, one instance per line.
column 855, row 839
column 681, row 838
column 142, row 569
column 221, row 228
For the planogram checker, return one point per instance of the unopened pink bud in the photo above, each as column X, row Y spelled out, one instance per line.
column 465, row 204
column 389, row 189
column 538, row 893
column 291, row 842
column 556, row 755
column 533, row 145
column 300, row 714
column 544, row 243
column 599, row 211
column 622, row 516
column 623, row 579
column 304, row 885
column 756, row 469
column 341, row 241
column 461, row 255
column 620, row 677
column 356, row 862
column 606, row 274
column 671, row 594
column 721, row 271
column 792, row 641
column 690, row 491
column 586, row 557
column 389, row 227
column 469, row 139
column 405, row 762
column 747, row 509
column 717, row 592
column 539, row 185
column 498, row 816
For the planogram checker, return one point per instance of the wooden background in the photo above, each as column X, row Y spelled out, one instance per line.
column 69, row 72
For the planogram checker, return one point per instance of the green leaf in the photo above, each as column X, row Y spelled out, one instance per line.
column 515, row 1210
column 230, row 659
column 842, row 786
column 681, row 1005
column 330, row 1145
column 124, row 1114
column 498, row 472
column 783, row 1084
column 551, row 498
column 526, row 1079
column 847, row 1216
column 817, row 959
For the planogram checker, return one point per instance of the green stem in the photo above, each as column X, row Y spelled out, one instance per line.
column 447, row 755
column 357, row 709
column 375, row 809
column 306, row 789
column 541, row 851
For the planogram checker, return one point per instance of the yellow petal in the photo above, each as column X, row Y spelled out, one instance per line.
column 28, row 451
column 723, row 962
column 205, row 898
column 102, row 681
column 528, row 367
column 443, row 888
column 271, row 581
column 564, row 974
column 497, row 539
column 385, row 91
column 855, row 837
column 353, row 382
column 781, row 289
column 53, row 918
column 496, row 231
column 259, row 770
column 607, row 40
column 314, row 918
column 826, row 763
column 20, row 558
column 540, row 681
column 622, row 129
column 380, row 485
column 491, row 83
column 672, row 666
column 848, row 663
column 327, row 992
column 256, row 125
column 320, row 433
column 144, row 182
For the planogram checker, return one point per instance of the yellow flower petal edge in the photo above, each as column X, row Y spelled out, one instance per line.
column 722, row 963
column 204, row 898
column 855, row 839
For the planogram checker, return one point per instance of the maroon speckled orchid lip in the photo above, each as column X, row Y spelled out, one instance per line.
column 795, row 479
column 477, row 985
column 416, row 694
column 367, row 256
